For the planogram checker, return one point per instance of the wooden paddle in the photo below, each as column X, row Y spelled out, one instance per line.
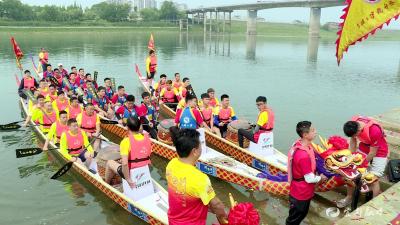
column 12, row 126
column 356, row 194
column 104, row 121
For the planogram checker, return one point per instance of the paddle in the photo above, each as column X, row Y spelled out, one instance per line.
column 13, row 126
column 104, row 121
column 25, row 152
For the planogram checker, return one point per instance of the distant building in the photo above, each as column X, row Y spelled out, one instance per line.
column 119, row 2
column 144, row 4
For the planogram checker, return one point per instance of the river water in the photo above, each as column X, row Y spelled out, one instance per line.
column 300, row 78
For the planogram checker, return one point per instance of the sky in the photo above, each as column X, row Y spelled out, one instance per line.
column 272, row 15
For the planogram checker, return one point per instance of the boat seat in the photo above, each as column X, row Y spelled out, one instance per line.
column 265, row 145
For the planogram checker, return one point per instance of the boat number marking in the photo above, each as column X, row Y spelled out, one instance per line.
column 137, row 212
column 207, row 169
column 260, row 165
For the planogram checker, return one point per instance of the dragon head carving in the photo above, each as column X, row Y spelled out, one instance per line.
column 340, row 160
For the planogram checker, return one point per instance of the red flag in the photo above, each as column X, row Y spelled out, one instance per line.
column 151, row 43
column 18, row 52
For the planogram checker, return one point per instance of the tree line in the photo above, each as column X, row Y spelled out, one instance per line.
column 17, row 11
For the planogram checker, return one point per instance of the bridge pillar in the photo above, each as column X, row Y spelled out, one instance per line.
column 251, row 22
column 205, row 21
column 314, row 25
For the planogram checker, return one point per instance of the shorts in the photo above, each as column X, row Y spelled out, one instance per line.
column 151, row 75
column 120, row 173
column 82, row 156
column 377, row 166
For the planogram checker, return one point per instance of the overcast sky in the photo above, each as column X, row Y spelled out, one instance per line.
column 274, row 15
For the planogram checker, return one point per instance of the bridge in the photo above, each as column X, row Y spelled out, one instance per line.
column 252, row 8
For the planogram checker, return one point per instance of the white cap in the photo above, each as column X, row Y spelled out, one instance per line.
column 60, row 64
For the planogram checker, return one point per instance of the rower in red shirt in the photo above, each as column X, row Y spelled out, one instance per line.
column 301, row 173
column 372, row 142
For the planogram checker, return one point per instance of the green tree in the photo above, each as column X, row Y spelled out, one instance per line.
column 112, row 12
column 150, row 14
column 168, row 11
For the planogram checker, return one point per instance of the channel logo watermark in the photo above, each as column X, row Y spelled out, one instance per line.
column 334, row 212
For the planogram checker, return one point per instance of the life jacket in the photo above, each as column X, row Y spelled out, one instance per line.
column 224, row 114
column 207, row 114
column 102, row 103
column 60, row 129
column 52, row 97
column 75, row 143
column 187, row 120
column 122, row 99
column 364, row 134
column 128, row 113
column 88, row 123
column 161, row 86
column 109, row 93
column 29, row 84
column 153, row 64
column 268, row 127
column 48, row 120
column 169, row 96
column 177, row 85
column 140, row 151
column 61, row 105
column 213, row 102
column 297, row 146
column 74, row 112
column 59, row 79
column 184, row 92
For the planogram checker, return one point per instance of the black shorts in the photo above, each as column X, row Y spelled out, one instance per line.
column 82, row 156
column 120, row 173
column 151, row 75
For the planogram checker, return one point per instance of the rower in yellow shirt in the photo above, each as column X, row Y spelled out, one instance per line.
column 45, row 116
column 56, row 130
column 74, row 144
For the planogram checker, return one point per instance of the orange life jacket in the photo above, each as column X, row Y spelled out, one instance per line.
column 60, row 129
column 153, row 64
column 268, row 127
column 61, row 105
column 177, row 85
column 74, row 112
column 207, row 114
column 48, row 120
column 364, row 134
column 224, row 114
column 88, row 123
column 29, row 84
column 297, row 146
column 169, row 96
column 213, row 102
column 75, row 143
column 140, row 151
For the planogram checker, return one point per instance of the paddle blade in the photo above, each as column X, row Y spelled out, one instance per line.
column 25, row 152
column 62, row 171
column 108, row 121
column 10, row 126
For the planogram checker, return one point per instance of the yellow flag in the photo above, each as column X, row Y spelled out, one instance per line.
column 361, row 18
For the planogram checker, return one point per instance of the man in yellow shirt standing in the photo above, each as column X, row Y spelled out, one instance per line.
column 135, row 150
column 151, row 66
column 265, row 122
column 74, row 144
column 190, row 194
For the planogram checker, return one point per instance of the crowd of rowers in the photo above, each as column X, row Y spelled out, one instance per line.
column 54, row 104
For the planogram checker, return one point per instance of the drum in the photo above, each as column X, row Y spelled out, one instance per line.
column 233, row 127
column 164, row 135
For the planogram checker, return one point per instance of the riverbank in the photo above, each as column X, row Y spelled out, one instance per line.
column 238, row 28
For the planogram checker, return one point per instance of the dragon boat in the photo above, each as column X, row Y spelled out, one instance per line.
column 151, row 208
